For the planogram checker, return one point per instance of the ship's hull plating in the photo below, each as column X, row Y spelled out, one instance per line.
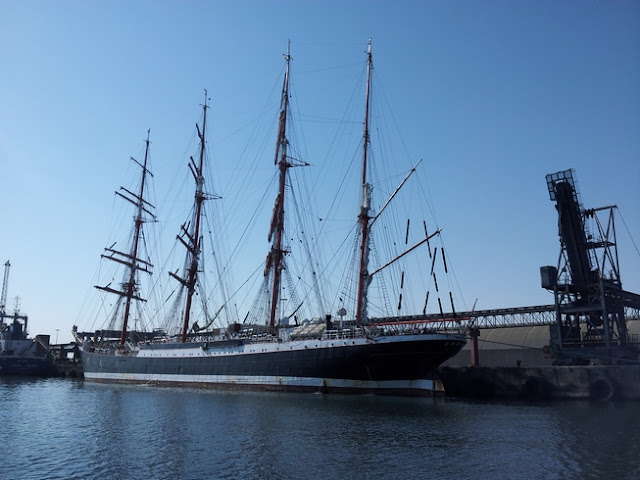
column 26, row 366
column 401, row 364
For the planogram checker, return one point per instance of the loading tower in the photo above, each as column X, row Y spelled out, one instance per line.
column 589, row 300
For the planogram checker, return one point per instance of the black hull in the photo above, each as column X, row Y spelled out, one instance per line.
column 387, row 365
column 26, row 367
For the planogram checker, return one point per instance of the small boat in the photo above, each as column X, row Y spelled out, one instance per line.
column 278, row 353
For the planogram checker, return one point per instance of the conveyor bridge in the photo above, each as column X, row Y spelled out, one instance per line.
column 497, row 318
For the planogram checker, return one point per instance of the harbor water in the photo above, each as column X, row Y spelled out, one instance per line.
column 70, row 429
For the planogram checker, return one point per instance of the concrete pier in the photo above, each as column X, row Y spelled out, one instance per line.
column 66, row 360
column 516, row 362
column 594, row 382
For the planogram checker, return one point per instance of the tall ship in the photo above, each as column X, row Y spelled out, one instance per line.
column 19, row 354
column 278, row 352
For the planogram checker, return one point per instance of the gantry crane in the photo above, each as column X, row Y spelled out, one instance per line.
column 589, row 299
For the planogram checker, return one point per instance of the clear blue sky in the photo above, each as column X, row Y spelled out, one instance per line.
column 493, row 95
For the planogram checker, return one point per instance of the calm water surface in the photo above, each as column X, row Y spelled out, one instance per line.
column 69, row 429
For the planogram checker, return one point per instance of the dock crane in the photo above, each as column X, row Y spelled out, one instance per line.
column 5, row 285
column 589, row 300
column 10, row 320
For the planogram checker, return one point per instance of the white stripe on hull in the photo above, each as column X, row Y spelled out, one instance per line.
column 422, row 387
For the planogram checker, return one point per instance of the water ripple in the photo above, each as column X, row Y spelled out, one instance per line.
column 63, row 429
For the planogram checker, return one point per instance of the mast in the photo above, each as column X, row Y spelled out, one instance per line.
column 276, row 254
column 363, row 218
column 130, row 285
column 191, row 238
column 131, row 260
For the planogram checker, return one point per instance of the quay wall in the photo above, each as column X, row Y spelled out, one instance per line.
column 516, row 362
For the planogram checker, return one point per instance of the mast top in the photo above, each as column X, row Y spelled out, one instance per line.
column 206, row 100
